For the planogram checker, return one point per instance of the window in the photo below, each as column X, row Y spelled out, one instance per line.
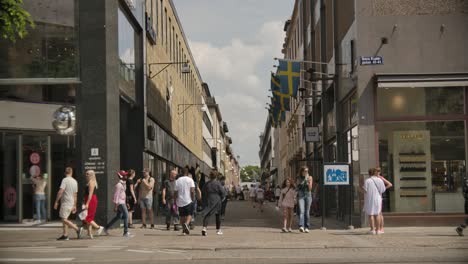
column 173, row 44
column 126, row 46
column 165, row 28
column 50, row 50
column 39, row 93
column 170, row 39
column 162, row 21
column 420, row 101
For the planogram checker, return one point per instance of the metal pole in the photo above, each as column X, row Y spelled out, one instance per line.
column 324, row 107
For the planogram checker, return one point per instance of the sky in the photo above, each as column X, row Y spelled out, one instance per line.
column 234, row 43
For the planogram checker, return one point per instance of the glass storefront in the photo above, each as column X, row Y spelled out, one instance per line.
column 421, row 147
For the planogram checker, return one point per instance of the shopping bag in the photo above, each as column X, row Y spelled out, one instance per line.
column 83, row 214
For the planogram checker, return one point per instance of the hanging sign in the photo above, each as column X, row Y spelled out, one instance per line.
column 336, row 173
column 371, row 60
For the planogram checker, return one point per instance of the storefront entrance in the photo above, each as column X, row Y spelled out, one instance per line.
column 23, row 157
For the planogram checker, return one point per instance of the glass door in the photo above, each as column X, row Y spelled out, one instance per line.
column 9, row 146
column 34, row 160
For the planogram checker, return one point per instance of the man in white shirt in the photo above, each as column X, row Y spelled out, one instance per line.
column 253, row 194
column 67, row 198
column 184, row 192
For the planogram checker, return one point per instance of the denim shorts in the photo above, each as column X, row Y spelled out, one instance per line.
column 146, row 203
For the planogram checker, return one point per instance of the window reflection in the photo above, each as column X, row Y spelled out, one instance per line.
column 126, row 55
column 50, row 50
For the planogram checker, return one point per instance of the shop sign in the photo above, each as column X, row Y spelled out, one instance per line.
column 34, row 171
column 35, row 158
column 371, row 60
column 336, row 173
column 312, row 134
column 10, row 197
column 95, row 162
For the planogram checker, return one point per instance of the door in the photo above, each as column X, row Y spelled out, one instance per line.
column 9, row 205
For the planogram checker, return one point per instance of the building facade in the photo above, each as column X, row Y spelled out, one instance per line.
column 127, row 69
column 385, row 82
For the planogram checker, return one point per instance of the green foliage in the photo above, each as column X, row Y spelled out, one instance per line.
column 250, row 173
column 14, row 20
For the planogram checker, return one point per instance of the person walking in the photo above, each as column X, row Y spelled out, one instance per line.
column 260, row 195
column 213, row 196
column 120, row 204
column 304, row 197
column 277, row 194
column 172, row 214
column 373, row 189
column 66, row 197
column 90, row 203
column 225, row 199
column 39, row 184
column 462, row 227
column 184, row 192
column 131, row 197
column 146, row 198
column 388, row 185
column 252, row 194
column 287, row 201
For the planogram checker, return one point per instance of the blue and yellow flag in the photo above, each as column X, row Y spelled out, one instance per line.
column 289, row 73
column 280, row 98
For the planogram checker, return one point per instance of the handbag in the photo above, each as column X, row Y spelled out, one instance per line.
column 83, row 214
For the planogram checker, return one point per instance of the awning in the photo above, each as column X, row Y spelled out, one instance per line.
column 421, row 80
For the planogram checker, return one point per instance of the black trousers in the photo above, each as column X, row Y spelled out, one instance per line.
column 206, row 219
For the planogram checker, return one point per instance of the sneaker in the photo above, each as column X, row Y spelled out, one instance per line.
column 176, row 228
column 219, row 232
column 459, row 231
column 143, row 226
column 185, row 229
column 284, row 230
column 301, row 229
column 79, row 233
column 203, row 232
column 168, row 227
column 63, row 238
column 100, row 230
column 91, row 236
column 380, row 232
column 152, row 226
column 127, row 235
column 289, row 230
column 372, row 232
column 306, row 230
column 105, row 231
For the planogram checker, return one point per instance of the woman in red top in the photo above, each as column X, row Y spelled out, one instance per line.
column 90, row 204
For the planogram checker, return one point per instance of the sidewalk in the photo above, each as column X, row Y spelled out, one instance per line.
column 249, row 236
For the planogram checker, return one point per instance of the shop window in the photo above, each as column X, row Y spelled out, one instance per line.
column 419, row 101
column 426, row 163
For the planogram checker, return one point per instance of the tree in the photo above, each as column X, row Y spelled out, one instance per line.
column 14, row 20
column 250, row 173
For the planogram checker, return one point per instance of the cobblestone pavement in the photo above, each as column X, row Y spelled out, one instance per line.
column 249, row 236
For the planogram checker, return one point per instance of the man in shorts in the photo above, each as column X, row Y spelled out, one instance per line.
column 66, row 196
column 146, row 198
column 184, row 192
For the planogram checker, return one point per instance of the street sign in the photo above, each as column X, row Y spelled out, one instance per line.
column 336, row 173
column 371, row 60
column 312, row 134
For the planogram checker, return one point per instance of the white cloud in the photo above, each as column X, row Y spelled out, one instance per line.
column 238, row 76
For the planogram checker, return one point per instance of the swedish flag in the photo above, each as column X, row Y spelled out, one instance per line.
column 289, row 73
column 280, row 98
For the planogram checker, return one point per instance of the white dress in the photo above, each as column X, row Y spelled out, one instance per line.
column 373, row 198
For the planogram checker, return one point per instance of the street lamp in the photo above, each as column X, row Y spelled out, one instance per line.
column 185, row 67
column 203, row 108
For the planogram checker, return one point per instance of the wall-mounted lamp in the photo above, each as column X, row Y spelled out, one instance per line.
column 185, row 67
column 203, row 108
